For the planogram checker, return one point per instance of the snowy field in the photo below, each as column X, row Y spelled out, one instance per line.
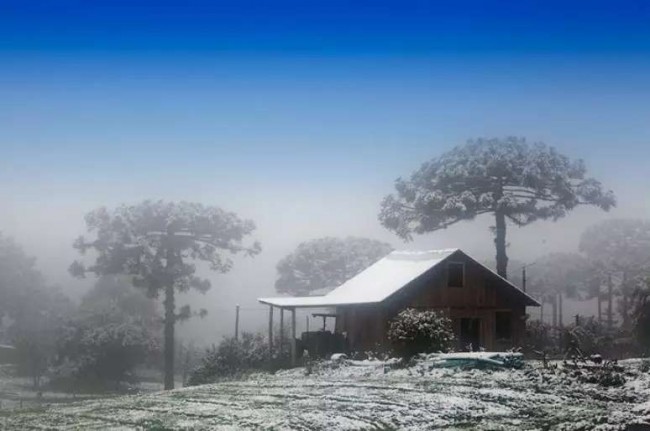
column 367, row 396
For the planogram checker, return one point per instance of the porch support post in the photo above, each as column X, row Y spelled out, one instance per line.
column 293, row 337
column 270, row 333
column 281, row 346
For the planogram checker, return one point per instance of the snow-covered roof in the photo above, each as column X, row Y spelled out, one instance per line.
column 381, row 280
column 375, row 283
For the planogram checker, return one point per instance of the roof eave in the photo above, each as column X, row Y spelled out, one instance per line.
column 309, row 304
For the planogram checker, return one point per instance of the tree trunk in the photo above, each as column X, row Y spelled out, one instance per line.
column 554, row 304
column 600, row 306
column 624, row 302
column 500, row 242
column 170, row 320
column 610, row 298
column 559, row 309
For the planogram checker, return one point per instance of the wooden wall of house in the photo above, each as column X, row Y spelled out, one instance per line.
column 480, row 297
column 365, row 326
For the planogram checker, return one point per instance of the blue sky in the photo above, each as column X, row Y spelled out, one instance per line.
column 301, row 114
column 332, row 27
column 294, row 89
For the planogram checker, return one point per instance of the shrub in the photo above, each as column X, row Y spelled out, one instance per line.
column 644, row 367
column 231, row 358
column 541, row 337
column 589, row 336
column 609, row 375
column 593, row 337
column 100, row 350
column 412, row 332
column 115, row 329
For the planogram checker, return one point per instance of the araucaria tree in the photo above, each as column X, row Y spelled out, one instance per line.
column 157, row 243
column 507, row 178
column 620, row 250
column 326, row 263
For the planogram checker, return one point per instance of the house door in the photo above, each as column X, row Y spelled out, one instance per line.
column 470, row 333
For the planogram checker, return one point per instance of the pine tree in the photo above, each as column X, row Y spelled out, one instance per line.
column 507, row 178
column 155, row 243
column 326, row 263
column 620, row 249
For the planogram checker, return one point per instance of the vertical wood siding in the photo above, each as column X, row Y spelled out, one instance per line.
column 480, row 297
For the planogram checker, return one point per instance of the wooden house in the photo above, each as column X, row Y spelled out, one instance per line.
column 487, row 310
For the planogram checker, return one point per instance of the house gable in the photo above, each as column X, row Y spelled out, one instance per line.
column 481, row 288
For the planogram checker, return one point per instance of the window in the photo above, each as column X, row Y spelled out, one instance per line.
column 455, row 274
column 503, row 325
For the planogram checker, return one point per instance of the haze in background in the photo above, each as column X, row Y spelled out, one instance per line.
column 300, row 115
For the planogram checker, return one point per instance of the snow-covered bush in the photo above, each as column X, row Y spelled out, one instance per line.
column 412, row 332
column 605, row 376
column 541, row 337
column 98, row 349
column 231, row 358
column 589, row 337
column 115, row 329
column 644, row 366
column 594, row 337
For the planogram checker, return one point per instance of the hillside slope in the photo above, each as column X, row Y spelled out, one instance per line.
column 366, row 396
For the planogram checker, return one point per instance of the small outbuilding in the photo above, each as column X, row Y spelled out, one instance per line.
column 487, row 310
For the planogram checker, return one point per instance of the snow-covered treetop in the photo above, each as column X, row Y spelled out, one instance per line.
column 618, row 245
column 524, row 182
column 326, row 263
column 155, row 242
column 566, row 273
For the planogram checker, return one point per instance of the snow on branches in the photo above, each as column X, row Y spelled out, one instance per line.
column 326, row 263
column 508, row 178
column 523, row 182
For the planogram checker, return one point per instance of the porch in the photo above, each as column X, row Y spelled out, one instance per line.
column 318, row 342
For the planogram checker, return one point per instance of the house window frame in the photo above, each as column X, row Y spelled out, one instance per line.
column 463, row 272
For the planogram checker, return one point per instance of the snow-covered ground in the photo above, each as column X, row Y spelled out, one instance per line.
column 368, row 395
column 17, row 391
